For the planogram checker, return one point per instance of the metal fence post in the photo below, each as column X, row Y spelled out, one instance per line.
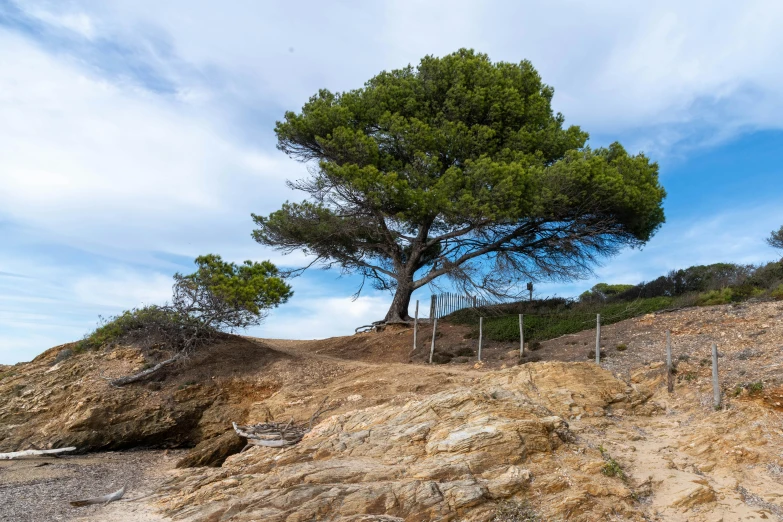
column 715, row 383
column 669, row 369
column 521, row 335
column 481, row 336
column 432, row 346
column 416, row 324
column 597, row 338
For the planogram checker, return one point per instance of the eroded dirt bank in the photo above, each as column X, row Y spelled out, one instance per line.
column 447, row 442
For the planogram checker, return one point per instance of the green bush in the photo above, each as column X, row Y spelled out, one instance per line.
column 622, row 347
column 561, row 319
column 150, row 323
column 777, row 293
column 715, row 297
column 219, row 296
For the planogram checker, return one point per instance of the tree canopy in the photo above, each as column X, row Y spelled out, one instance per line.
column 218, row 296
column 460, row 168
column 228, row 296
column 775, row 239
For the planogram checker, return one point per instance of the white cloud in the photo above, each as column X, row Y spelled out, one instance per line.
column 322, row 317
column 95, row 161
column 121, row 288
column 736, row 236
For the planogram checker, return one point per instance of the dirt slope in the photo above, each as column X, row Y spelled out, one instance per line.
column 684, row 462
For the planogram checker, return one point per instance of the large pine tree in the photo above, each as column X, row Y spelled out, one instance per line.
column 457, row 168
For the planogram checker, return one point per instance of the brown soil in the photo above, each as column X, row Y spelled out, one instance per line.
column 45, row 404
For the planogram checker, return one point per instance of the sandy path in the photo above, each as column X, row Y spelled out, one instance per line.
column 39, row 489
column 675, row 486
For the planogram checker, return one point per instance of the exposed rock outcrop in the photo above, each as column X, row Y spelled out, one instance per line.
column 453, row 455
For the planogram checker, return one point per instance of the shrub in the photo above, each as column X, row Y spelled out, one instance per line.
column 146, row 326
column 219, row 296
column 621, row 347
column 689, row 376
column 777, row 293
column 715, row 297
column 755, row 387
column 611, row 467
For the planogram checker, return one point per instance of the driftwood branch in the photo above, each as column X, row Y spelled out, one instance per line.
column 271, row 435
column 122, row 381
column 34, row 453
column 105, row 499
column 277, row 434
column 320, row 411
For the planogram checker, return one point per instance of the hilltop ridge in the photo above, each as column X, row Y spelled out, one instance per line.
column 573, row 418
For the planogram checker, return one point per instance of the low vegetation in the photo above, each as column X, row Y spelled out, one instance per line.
column 611, row 467
column 703, row 285
column 218, row 297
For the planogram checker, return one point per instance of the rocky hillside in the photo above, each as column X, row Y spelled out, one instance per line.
column 454, row 455
column 560, row 439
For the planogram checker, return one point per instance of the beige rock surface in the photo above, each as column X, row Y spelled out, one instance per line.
column 413, row 442
column 450, row 456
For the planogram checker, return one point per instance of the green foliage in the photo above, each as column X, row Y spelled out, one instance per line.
column 622, row 347
column 228, row 296
column 719, row 283
column 132, row 324
column 218, row 296
column 715, row 297
column 564, row 318
column 457, row 167
column 604, row 291
column 777, row 293
column 775, row 239
column 611, row 467
column 755, row 387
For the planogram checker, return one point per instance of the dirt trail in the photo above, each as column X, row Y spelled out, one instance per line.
column 677, row 484
column 689, row 464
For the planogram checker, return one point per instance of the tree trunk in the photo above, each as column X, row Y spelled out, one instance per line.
column 398, row 311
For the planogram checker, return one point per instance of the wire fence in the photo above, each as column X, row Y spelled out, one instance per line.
column 509, row 322
column 445, row 304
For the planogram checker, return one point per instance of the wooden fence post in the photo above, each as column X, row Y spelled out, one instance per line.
column 715, row 383
column 416, row 324
column 669, row 369
column 597, row 338
column 481, row 336
column 432, row 346
column 521, row 336
column 432, row 307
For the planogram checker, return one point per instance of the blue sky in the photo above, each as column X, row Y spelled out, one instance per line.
column 136, row 135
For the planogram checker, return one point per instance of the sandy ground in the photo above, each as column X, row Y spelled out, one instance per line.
column 649, row 449
column 40, row 489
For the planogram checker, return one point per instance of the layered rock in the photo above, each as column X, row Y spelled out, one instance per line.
column 454, row 455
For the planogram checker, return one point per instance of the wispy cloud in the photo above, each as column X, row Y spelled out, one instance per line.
column 138, row 134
